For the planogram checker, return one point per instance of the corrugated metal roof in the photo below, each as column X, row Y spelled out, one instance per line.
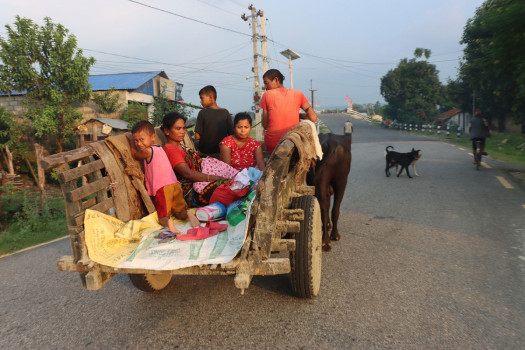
column 114, row 123
column 122, row 81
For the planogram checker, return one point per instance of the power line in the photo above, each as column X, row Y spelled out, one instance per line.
column 189, row 18
column 218, row 8
column 164, row 63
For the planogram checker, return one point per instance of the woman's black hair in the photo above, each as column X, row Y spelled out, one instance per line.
column 271, row 74
column 170, row 119
column 242, row 116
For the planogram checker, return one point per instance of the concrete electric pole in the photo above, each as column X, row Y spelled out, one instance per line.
column 256, row 84
column 312, row 90
column 264, row 50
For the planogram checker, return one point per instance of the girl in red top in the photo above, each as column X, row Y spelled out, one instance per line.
column 240, row 150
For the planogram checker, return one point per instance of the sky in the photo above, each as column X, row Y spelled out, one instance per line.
column 345, row 46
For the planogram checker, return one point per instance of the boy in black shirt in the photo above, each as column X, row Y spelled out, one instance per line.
column 213, row 123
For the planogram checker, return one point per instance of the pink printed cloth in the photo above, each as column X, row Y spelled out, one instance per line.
column 212, row 166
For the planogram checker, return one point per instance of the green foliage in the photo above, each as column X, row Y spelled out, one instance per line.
column 420, row 52
column 164, row 105
column 24, row 224
column 455, row 94
column 9, row 132
column 13, row 136
column 134, row 113
column 412, row 89
column 44, row 64
column 359, row 108
column 494, row 65
column 107, row 100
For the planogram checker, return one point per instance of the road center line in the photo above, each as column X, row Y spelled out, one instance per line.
column 504, row 182
column 486, row 165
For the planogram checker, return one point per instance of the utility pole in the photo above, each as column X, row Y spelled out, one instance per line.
column 263, row 41
column 256, row 84
column 312, row 90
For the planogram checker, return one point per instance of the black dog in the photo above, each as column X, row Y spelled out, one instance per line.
column 402, row 159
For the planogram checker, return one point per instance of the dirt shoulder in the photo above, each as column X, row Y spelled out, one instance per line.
column 517, row 175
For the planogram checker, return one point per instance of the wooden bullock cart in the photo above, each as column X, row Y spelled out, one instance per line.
column 284, row 216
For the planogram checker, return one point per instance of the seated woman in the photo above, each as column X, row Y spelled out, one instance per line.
column 188, row 165
column 240, row 150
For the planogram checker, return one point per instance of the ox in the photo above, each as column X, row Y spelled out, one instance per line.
column 329, row 177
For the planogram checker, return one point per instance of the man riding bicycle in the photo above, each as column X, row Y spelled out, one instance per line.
column 479, row 130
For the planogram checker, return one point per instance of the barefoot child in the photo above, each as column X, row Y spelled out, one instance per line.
column 161, row 181
column 240, row 150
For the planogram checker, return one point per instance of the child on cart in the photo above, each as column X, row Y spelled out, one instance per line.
column 161, row 181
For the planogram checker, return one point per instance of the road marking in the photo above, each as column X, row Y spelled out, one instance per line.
column 461, row 148
column 33, row 247
column 504, row 182
column 523, row 205
column 482, row 163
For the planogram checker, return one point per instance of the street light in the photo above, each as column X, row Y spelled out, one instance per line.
column 291, row 55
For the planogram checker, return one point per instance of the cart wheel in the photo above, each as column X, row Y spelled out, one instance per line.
column 306, row 260
column 149, row 282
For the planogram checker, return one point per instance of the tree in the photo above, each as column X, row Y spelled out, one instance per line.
column 163, row 105
column 494, row 65
column 412, row 89
column 107, row 100
column 44, row 64
column 9, row 135
column 134, row 113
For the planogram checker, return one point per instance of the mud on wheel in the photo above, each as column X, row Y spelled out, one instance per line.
column 306, row 260
column 149, row 282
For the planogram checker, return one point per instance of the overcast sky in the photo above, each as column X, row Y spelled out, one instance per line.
column 346, row 46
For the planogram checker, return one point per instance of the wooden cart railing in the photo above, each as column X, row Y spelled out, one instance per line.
column 284, row 218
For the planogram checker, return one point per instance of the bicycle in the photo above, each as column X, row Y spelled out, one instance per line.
column 478, row 154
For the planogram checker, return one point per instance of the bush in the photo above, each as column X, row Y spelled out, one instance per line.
column 134, row 113
column 25, row 224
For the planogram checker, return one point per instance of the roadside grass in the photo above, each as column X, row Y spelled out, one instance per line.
column 24, row 224
column 323, row 129
column 506, row 147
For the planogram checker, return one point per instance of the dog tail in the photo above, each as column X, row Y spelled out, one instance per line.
column 386, row 149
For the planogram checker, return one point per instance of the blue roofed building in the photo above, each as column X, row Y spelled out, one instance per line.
column 139, row 87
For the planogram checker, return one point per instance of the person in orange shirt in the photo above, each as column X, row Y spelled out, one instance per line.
column 281, row 108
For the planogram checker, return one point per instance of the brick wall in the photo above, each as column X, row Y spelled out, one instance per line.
column 12, row 104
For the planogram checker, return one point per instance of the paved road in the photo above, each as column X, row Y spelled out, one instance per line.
column 436, row 261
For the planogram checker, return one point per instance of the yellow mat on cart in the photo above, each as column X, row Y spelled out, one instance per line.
column 111, row 242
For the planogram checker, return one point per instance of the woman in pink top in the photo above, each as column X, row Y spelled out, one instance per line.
column 281, row 108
